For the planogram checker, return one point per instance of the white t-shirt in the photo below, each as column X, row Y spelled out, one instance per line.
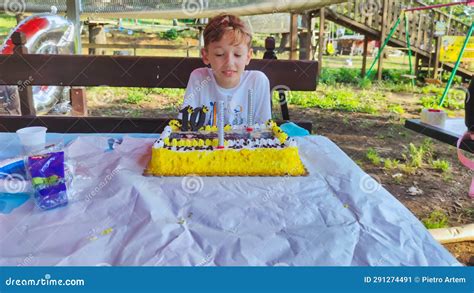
column 203, row 90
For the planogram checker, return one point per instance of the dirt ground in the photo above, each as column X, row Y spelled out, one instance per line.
column 389, row 138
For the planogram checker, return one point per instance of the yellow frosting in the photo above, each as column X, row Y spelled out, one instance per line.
column 226, row 162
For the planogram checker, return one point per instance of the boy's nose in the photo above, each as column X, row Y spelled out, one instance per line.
column 229, row 58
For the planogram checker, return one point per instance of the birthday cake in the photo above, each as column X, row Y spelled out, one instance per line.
column 260, row 150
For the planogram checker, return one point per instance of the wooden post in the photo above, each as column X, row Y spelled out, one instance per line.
column 305, row 38
column 78, row 101
column 383, row 35
column 436, row 57
column 293, row 36
column 364, row 56
column 27, row 106
column 73, row 8
column 270, row 54
column 321, row 40
column 309, row 37
column 417, row 64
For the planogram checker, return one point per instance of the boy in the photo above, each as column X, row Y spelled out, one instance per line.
column 227, row 49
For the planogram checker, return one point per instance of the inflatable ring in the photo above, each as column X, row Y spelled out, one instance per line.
column 45, row 34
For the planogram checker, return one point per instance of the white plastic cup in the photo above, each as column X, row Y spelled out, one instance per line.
column 32, row 138
column 434, row 117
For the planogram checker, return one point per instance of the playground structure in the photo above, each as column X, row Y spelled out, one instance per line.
column 376, row 19
column 370, row 18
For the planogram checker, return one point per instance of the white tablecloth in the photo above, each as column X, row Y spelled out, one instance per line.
column 338, row 215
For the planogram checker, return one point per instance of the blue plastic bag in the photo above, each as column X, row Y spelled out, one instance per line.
column 293, row 130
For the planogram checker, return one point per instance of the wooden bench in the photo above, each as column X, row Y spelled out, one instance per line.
column 123, row 71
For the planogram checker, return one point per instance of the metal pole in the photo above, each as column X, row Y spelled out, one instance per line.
column 383, row 46
column 453, row 73
column 73, row 8
column 409, row 49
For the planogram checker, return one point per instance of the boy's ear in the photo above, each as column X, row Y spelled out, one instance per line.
column 249, row 56
column 205, row 57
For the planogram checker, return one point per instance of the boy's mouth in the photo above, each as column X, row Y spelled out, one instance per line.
column 228, row 73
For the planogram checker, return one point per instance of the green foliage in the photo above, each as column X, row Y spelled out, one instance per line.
column 365, row 83
column 137, row 95
column 345, row 99
column 437, row 219
column 170, row 34
column 415, row 156
column 7, row 23
column 398, row 109
column 397, row 87
column 445, row 77
column 373, row 156
column 332, row 76
column 390, row 164
column 427, row 147
column 168, row 92
column 395, row 75
column 454, row 100
column 441, row 165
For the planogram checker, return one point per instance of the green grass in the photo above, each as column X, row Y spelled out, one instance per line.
column 135, row 96
column 391, row 164
column 398, row 109
column 441, row 165
column 415, row 156
column 373, row 156
column 454, row 100
column 7, row 23
column 342, row 98
column 437, row 219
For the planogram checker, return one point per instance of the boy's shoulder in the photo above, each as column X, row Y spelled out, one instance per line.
column 256, row 74
column 202, row 72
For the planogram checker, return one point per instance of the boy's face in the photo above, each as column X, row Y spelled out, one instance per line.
column 227, row 60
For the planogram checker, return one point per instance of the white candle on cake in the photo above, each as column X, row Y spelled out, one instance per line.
column 250, row 108
column 220, row 124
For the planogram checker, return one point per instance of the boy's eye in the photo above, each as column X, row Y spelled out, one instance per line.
column 238, row 55
column 219, row 55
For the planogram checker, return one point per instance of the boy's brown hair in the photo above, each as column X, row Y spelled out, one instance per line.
column 223, row 23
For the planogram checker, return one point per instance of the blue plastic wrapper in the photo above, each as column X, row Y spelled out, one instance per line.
column 48, row 180
column 12, row 166
column 293, row 130
column 15, row 188
column 10, row 201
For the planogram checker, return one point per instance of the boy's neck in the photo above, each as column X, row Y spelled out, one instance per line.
column 226, row 86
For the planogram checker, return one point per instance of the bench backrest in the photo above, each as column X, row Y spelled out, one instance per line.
column 127, row 71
